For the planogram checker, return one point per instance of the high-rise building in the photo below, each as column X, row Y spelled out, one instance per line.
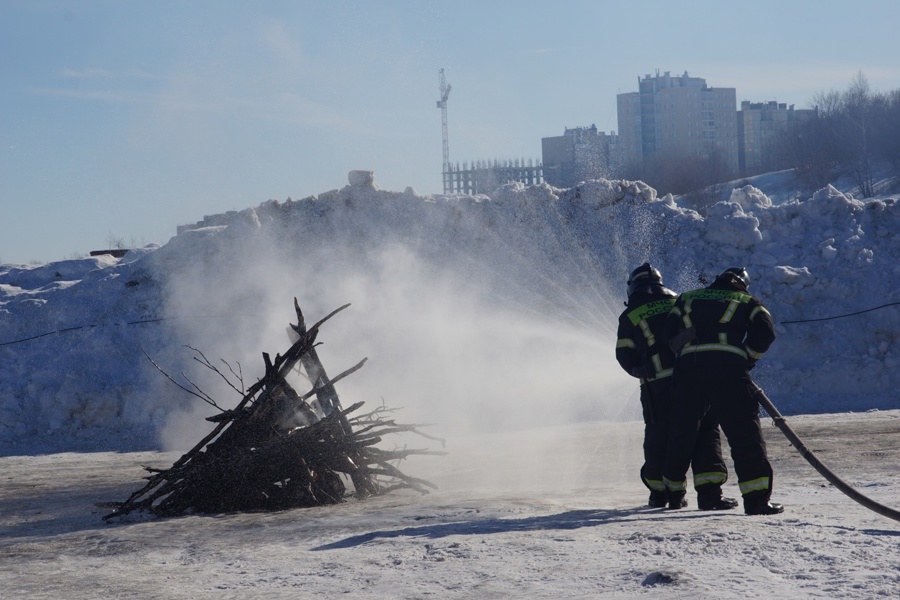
column 678, row 116
column 581, row 153
column 759, row 126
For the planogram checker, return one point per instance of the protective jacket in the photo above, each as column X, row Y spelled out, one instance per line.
column 640, row 348
column 724, row 324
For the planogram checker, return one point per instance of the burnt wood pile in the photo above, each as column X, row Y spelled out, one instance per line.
column 278, row 449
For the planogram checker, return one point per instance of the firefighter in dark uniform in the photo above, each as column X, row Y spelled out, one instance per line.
column 643, row 353
column 718, row 333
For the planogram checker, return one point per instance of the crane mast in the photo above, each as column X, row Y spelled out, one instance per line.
column 442, row 104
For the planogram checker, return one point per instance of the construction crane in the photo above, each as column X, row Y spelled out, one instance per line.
column 442, row 104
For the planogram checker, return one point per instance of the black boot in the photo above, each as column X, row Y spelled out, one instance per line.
column 763, row 507
column 657, row 500
column 713, row 503
column 677, row 500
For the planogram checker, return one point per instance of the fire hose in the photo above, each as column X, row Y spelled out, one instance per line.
column 811, row 458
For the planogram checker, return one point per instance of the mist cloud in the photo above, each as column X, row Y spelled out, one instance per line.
column 469, row 322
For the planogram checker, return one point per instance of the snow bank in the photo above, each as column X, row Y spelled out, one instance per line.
column 478, row 310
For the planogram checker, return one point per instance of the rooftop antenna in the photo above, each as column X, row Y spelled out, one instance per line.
column 442, row 104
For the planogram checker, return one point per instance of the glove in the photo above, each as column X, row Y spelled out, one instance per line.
column 642, row 371
column 751, row 362
column 682, row 338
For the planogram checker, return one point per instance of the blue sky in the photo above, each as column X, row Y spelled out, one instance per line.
column 123, row 119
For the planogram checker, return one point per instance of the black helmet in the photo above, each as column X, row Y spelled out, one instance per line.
column 642, row 278
column 738, row 273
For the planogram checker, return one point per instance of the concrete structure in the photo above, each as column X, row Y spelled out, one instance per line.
column 580, row 154
column 759, row 125
column 678, row 115
column 483, row 177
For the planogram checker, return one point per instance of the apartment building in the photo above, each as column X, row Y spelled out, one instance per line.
column 759, row 125
column 678, row 115
column 581, row 153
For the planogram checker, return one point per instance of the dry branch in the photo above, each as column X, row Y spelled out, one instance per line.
column 274, row 451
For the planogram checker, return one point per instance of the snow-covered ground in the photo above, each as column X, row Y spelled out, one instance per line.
column 554, row 512
column 493, row 319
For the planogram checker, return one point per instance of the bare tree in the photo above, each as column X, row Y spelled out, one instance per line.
column 114, row 241
column 886, row 137
column 853, row 132
column 859, row 110
column 694, row 175
column 810, row 148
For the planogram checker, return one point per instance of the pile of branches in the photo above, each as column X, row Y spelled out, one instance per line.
column 278, row 449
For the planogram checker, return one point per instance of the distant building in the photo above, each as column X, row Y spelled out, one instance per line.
column 759, row 125
column 580, row 154
column 483, row 177
column 115, row 252
column 678, row 115
column 226, row 218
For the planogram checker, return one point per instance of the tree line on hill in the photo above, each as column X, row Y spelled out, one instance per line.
column 856, row 134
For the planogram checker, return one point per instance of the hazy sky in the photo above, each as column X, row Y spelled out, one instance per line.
column 123, row 119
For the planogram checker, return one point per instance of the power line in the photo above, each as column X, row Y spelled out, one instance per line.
column 840, row 316
column 160, row 319
column 136, row 322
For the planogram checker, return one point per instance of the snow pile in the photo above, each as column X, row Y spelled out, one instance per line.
column 476, row 312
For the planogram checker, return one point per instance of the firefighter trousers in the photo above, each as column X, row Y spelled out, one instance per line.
column 706, row 461
column 725, row 394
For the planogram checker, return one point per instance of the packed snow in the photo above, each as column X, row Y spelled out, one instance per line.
column 491, row 319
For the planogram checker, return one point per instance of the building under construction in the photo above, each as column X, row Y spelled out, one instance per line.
column 483, row 177
column 480, row 177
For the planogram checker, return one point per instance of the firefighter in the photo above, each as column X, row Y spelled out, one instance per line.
column 642, row 353
column 718, row 333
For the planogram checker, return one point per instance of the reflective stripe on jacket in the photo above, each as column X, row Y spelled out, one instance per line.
column 640, row 342
column 726, row 320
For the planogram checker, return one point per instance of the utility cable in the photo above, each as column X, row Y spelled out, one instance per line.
column 136, row 322
column 840, row 316
column 157, row 320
